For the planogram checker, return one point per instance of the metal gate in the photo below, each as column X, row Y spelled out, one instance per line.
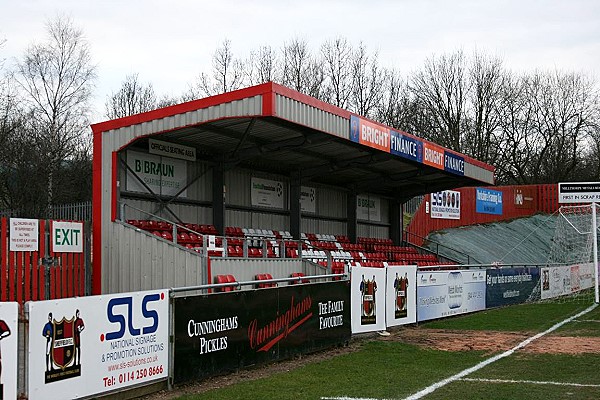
column 31, row 269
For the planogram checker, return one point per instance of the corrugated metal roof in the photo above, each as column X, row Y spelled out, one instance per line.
column 294, row 135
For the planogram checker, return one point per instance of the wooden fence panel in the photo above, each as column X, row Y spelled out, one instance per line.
column 43, row 274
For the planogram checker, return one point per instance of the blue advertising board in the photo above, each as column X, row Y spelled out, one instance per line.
column 506, row 286
column 454, row 163
column 406, row 146
column 488, row 201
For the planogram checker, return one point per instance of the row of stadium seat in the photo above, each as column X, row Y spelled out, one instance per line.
column 268, row 243
column 228, row 278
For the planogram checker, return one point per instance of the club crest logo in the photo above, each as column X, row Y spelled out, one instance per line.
column 368, row 288
column 400, row 287
column 63, row 351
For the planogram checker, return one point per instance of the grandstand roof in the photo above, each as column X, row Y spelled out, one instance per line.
column 271, row 128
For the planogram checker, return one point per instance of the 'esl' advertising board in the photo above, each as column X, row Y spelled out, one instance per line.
column 216, row 333
column 86, row 346
column 446, row 293
column 445, row 205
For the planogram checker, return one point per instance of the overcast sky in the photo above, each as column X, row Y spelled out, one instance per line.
column 169, row 43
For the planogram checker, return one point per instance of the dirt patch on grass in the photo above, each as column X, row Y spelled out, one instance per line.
column 494, row 341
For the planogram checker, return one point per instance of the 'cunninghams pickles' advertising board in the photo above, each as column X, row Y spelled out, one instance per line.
column 221, row 332
column 86, row 346
column 446, row 293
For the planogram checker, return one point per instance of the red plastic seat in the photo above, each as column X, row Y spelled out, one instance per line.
column 298, row 275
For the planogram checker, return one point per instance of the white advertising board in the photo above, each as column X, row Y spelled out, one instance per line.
column 266, row 193
column 446, row 293
column 367, row 297
column 308, row 199
column 401, row 295
column 579, row 192
column 86, row 346
column 163, row 175
column 24, row 234
column 566, row 279
column 67, row 237
column 9, row 313
column 368, row 208
column 445, row 205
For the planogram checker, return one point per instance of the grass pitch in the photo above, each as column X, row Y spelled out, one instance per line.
column 394, row 370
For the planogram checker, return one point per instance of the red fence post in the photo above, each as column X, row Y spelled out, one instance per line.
column 4, row 255
column 11, row 276
column 41, row 269
column 19, row 267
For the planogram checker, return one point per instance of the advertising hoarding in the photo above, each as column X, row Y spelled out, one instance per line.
column 369, row 133
column 446, row 293
column 221, row 332
column 93, row 345
column 9, row 319
column 488, row 201
column 506, row 286
column 308, row 199
column 445, row 205
column 454, row 163
column 433, row 155
column 401, row 295
column 579, row 192
column 566, row 279
column 406, row 146
column 368, row 208
column 266, row 193
column 367, row 294
column 163, row 175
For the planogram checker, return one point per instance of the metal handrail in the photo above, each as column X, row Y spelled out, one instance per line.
column 468, row 257
column 238, row 285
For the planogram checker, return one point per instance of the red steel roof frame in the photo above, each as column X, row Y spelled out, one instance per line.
column 267, row 90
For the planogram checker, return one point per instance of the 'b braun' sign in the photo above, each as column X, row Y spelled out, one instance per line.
column 67, row 237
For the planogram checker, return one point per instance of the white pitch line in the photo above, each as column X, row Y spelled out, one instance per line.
column 348, row 398
column 528, row 382
column 468, row 371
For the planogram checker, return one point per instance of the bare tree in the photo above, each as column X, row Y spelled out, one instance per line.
column 133, row 97
column 57, row 80
column 227, row 74
column 368, row 82
column 483, row 136
column 441, row 88
column 548, row 120
column 262, row 65
column 337, row 57
column 301, row 71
